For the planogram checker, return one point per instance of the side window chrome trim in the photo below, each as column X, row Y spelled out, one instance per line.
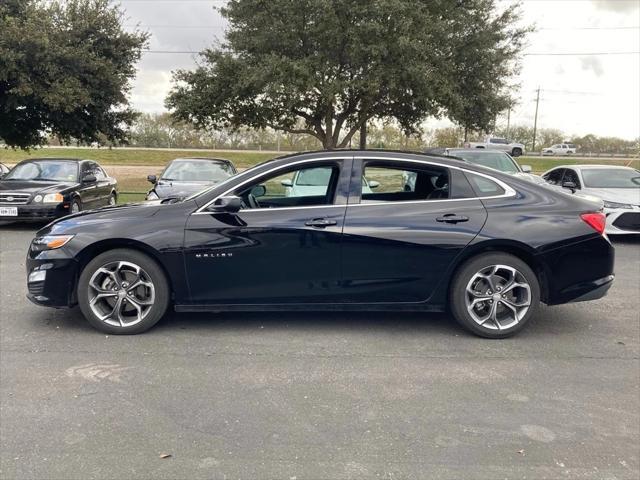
column 509, row 192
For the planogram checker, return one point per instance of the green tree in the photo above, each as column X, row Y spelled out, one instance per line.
column 65, row 71
column 326, row 67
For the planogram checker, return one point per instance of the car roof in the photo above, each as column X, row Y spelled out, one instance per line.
column 594, row 167
column 479, row 150
column 444, row 160
column 204, row 159
column 56, row 159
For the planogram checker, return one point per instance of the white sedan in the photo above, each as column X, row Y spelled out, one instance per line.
column 560, row 149
column 618, row 187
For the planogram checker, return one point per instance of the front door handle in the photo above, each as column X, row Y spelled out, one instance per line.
column 452, row 218
column 320, row 223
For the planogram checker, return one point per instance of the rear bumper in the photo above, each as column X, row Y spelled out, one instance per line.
column 579, row 272
column 37, row 212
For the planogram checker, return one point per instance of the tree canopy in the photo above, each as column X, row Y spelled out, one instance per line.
column 326, row 67
column 65, row 70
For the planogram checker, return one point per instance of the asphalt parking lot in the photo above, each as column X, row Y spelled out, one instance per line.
column 316, row 395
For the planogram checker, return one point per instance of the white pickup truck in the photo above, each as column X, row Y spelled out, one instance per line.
column 497, row 143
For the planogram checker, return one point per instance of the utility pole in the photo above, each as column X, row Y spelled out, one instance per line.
column 508, row 120
column 535, row 120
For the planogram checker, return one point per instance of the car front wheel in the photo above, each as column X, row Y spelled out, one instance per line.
column 494, row 295
column 123, row 292
column 516, row 152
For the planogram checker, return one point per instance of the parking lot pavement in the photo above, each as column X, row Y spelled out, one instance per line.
column 316, row 395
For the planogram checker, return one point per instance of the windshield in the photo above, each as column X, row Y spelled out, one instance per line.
column 196, row 171
column 52, row 171
column 496, row 160
column 611, row 178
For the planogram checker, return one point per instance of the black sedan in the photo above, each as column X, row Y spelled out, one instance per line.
column 485, row 245
column 49, row 188
column 185, row 176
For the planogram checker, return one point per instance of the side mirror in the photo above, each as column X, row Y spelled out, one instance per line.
column 229, row 204
column 526, row 168
column 89, row 178
column 570, row 185
column 286, row 183
column 152, row 179
column 373, row 184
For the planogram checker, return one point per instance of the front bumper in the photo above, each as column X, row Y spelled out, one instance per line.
column 52, row 278
column 37, row 212
column 622, row 221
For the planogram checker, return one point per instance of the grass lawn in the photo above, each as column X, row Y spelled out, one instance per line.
column 115, row 156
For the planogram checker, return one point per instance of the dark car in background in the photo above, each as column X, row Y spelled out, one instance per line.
column 48, row 188
column 185, row 176
column 485, row 245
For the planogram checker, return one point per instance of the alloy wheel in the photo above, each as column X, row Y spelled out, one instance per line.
column 498, row 297
column 121, row 294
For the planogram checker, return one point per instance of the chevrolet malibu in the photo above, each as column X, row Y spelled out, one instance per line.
column 484, row 245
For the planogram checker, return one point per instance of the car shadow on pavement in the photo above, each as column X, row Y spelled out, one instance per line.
column 550, row 321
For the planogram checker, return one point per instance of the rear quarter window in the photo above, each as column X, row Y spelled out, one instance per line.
column 483, row 186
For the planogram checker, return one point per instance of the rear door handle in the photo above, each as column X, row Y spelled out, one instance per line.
column 320, row 223
column 452, row 218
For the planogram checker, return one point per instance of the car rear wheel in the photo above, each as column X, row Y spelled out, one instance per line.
column 494, row 295
column 516, row 152
column 123, row 292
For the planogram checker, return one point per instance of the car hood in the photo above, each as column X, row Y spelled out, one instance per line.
column 102, row 216
column 165, row 189
column 619, row 195
column 30, row 186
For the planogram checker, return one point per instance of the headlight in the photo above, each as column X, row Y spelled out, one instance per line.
column 53, row 198
column 50, row 242
column 616, row 205
column 152, row 195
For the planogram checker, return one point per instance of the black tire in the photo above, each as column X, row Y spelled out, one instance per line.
column 76, row 206
column 152, row 272
column 516, row 152
column 458, row 295
column 113, row 199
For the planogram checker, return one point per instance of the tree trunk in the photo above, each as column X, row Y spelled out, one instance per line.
column 363, row 137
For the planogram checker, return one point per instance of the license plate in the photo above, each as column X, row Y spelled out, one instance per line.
column 8, row 211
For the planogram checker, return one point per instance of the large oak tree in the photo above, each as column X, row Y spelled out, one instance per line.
column 326, row 67
column 65, row 70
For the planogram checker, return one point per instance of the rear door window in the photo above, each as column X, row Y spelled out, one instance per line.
column 398, row 182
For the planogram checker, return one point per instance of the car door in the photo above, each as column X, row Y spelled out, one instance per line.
column 279, row 248
column 400, row 240
column 88, row 191
column 103, row 186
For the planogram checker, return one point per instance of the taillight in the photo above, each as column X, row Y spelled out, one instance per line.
column 597, row 221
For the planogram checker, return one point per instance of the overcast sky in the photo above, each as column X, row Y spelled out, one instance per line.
column 579, row 93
